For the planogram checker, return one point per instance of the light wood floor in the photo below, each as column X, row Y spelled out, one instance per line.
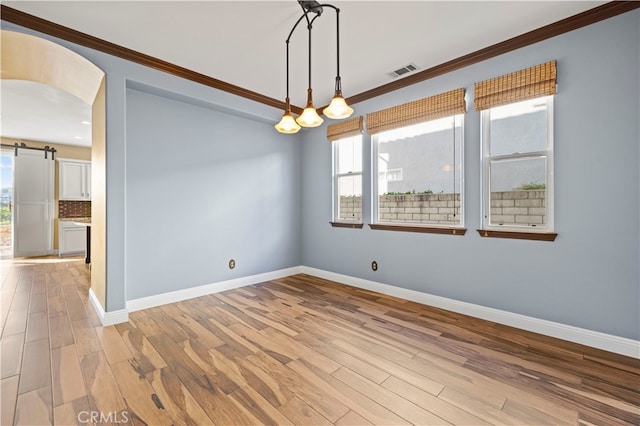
column 298, row 350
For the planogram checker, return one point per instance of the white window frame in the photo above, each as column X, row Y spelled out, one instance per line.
column 459, row 119
column 336, row 177
column 486, row 159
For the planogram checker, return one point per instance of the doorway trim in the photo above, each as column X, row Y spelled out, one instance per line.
column 27, row 57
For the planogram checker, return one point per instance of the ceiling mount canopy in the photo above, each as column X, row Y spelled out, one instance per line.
column 338, row 108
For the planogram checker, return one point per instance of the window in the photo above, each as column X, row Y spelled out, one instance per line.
column 347, row 179
column 518, row 165
column 417, row 165
column 517, row 153
column 419, row 170
column 346, row 141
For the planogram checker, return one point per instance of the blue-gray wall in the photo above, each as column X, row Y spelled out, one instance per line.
column 204, row 187
column 184, row 160
column 588, row 277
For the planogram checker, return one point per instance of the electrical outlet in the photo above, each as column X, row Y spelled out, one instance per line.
column 374, row 265
column 232, row 264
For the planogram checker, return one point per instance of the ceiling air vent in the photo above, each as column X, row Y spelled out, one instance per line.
column 402, row 71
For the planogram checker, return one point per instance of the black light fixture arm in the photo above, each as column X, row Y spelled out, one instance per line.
column 287, row 100
column 317, row 8
column 309, row 23
column 305, row 15
column 338, row 78
column 313, row 6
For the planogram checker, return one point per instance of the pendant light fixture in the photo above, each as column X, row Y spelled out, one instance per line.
column 287, row 123
column 309, row 116
column 338, row 108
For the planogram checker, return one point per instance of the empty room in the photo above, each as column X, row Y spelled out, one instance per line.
column 305, row 213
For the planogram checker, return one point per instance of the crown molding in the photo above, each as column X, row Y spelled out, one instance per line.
column 571, row 23
column 26, row 20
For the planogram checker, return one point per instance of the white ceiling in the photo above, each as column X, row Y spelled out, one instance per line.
column 243, row 42
column 35, row 111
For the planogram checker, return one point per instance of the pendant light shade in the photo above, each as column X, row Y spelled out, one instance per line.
column 309, row 117
column 338, row 108
column 287, row 123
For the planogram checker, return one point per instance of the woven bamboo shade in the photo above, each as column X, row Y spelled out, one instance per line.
column 518, row 86
column 345, row 129
column 427, row 109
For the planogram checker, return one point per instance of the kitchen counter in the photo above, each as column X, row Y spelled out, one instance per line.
column 77, row 220
column 82, row 221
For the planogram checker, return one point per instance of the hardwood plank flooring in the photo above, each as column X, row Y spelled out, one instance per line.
column 294, row 351
column 67, row 380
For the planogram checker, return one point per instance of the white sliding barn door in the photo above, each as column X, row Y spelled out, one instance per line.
column 33, row 197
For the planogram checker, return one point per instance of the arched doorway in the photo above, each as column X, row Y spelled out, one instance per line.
column 26, row 57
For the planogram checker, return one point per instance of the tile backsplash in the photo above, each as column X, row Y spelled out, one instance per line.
column 74, row 208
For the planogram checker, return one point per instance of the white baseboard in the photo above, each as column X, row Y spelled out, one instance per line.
column 107, row 318
column 607, row 342
column 189, row 293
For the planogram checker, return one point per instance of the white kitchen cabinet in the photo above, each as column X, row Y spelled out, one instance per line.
column 74, row 179
column 72, row 238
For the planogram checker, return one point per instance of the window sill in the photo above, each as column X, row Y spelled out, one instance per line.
column 518, row 235
column 421, row 229
column 346, row 225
